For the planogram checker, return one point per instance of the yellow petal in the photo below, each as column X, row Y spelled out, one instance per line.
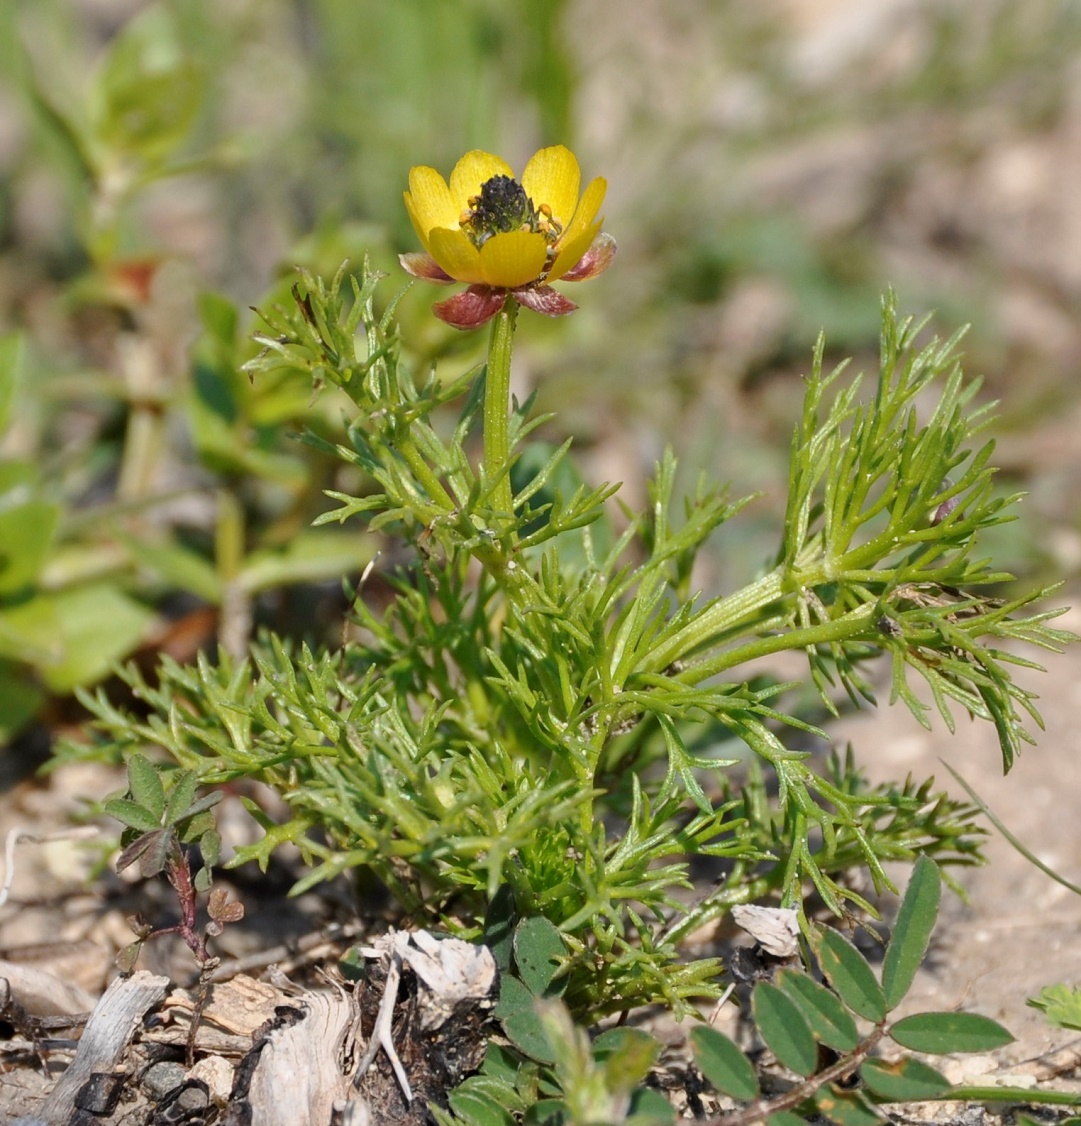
column 469, row 173
column 454, row 251
column 592, row 198
column 513, row 259
column 552, row 177
column 571, row 251
column 429, row 202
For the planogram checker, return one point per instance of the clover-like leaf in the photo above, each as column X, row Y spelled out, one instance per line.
column 151, row 849
column 133, row 814
column 181, row 796
column 224, row 910
column 538, row 950
column 517, row 1013
column 144, row 782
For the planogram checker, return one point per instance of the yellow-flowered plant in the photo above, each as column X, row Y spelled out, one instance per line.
column 526, row 735
column 506, row 237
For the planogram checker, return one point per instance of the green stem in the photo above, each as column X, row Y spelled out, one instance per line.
column 497, row 409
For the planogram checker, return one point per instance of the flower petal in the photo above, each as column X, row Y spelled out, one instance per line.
column 552, row 176
column 544, row 299
column 472, row 308
column 422, row 265
column 572, row 251
column 429, row 202
column 592, row 198
column 595, row 261
column 456, row 254
column 474, row 169
column 513, row 258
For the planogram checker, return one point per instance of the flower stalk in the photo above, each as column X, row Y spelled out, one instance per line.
column 497, row 410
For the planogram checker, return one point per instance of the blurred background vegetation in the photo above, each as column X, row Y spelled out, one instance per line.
column 772, row 168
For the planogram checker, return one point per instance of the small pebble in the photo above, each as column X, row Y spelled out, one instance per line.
column 163, row 1077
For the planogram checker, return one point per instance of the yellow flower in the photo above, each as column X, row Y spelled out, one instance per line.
column 503, row 235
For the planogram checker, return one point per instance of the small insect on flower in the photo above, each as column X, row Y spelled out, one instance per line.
column 505, row 236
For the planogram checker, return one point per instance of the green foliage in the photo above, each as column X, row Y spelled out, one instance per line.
column 161, row 826
column 546, row 710
column 1061, row 1004
column 797, row 1019
column 812, row 1016
column 911, row 932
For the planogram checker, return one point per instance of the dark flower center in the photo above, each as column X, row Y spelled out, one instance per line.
column 503, row 206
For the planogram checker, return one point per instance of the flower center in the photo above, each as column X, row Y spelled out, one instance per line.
column 503, row 206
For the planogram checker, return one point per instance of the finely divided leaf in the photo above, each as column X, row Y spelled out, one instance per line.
column 723, row 1064
column 848, row 973
column 783, row 1028
column 939, row 1033
column 912, row 931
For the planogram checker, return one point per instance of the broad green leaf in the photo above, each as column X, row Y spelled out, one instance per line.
column 912, row 931
column 210, row 847
column 848, row 972
column 939, row 1033
column 178, row 566
column 538, row 949
column 149, row 94
column 781, row 1025
column 785, row 1118
column 650, row 1108
column 846, row 1108
column 26, row 531
column 520, row 1021
column 144, row 781
column 20, row 697
column 904, row 1081
column 132, row 814
column 478, row 1109
column 85, row 630
column 181, row 796
column 626, row 1054
column 501, row 1091
column 546, row 1112
column 723, row 1064
column 312, row 556
column 499, row 927
column 501, row 1063
column 828, row 1018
